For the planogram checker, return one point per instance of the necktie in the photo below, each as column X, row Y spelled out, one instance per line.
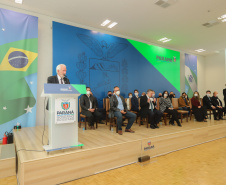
column 151, row 105
column 61, row 81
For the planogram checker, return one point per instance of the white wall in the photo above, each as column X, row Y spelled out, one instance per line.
column 45, row 55
column 215, row 73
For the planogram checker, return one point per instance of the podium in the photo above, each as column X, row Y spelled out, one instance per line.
column 62, row 115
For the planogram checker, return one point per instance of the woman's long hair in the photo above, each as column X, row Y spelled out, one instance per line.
column 196, row 97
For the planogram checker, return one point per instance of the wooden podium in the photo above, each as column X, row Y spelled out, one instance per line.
column 63, row 115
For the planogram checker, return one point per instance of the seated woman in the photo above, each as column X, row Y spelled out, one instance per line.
column 198, row 110
column 183, row 103
column 166, row 106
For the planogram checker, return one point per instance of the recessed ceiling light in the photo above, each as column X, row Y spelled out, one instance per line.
column 164, row 39
column 19, row 1
column 112, row 25
column 200, row 50
column 105, row 22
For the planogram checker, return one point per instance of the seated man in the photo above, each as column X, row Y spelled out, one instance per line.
column 118, row 108
column 89, row 108
column 135, row 101
column 218, row 104
column 184, row 103
column 148, row 107
column 109, row 94
column 207, row 103
column 172, row 95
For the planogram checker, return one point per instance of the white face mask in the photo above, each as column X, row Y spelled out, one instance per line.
column 165, row 95
column 186, row 96
column 130, row 96
column 208, row 94
column 136, row 94
column 195, row 94
column 153, row 95
column 117, row 92
column 88, row 92
column 216, row 95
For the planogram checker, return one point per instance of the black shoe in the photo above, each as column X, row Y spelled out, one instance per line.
column 178, row 124
column 102, row 122
column 141, row 123
column 221, row 118
column 123, row 125
column 156, row 126
column 216, row 119
column 171, row 123
column 204, row 120
column 152, row 127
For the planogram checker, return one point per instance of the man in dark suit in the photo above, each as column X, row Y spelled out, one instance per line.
column 207, row 103
column 218, row 104
column 224, row 93
column 118, row 108
column 148, row 108
column 60, row 78
column 89, row 108
column 135, row 101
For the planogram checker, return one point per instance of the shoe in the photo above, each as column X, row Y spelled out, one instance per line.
column 123, row 125
column 120, row 132
column 141, row 123
column 216, row 119
column 129, row 130
column 170, row 123
column 156, row 126
column 221, row 118
column 102, row 122
column 178, row 124
column 152, row 127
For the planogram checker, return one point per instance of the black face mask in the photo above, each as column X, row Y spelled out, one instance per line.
column 109, row 95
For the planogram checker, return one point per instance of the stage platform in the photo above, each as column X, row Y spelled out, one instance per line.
column 103, row 149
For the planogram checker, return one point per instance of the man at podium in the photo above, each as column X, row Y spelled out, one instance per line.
column 60, row 78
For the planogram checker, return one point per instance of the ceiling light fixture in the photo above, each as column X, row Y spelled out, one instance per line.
column 112, row 25
column 164, row 39
column 19, row 1
column 105, row 22
column 200, row 50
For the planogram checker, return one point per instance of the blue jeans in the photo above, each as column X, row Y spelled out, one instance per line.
column 131, row 118
column 185, row 108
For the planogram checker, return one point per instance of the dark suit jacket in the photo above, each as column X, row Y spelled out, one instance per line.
column 54, row 80
column 114, row 105
column 144, row 105
column 85, row 104
column 134, row 103
column 207, row 102
column 224, row 93
column 215, row 101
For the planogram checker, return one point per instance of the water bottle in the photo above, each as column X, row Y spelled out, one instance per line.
column 83, row 129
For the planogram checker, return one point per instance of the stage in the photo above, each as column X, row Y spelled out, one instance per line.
column 103, row 149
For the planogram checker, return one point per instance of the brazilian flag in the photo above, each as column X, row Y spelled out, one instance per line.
column 18, row 69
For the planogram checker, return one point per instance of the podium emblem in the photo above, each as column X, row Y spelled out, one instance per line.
column 65, row 105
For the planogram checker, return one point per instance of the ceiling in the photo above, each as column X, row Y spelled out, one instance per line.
column 143, row 20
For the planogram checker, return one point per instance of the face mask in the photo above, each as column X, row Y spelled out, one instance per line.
column 88, row 92
column 165, row 95
column 130, row 96
column 208, row 95
column 216, row 95
column 186, row 96
column 153, row 95
column 136, row 94
column 109, row 95
column 118, row 93
column 195, row 94
column 183, row 96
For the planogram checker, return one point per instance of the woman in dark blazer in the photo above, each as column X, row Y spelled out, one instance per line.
column 166, row 106
column 198, row 110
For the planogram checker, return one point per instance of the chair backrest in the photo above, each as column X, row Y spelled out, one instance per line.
column 80, row 109
column 104, row 103
column 175, row 103
column 190, row 103
column 107, row 104
column 130, row 105
column 157, row 105
column 201, row 101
